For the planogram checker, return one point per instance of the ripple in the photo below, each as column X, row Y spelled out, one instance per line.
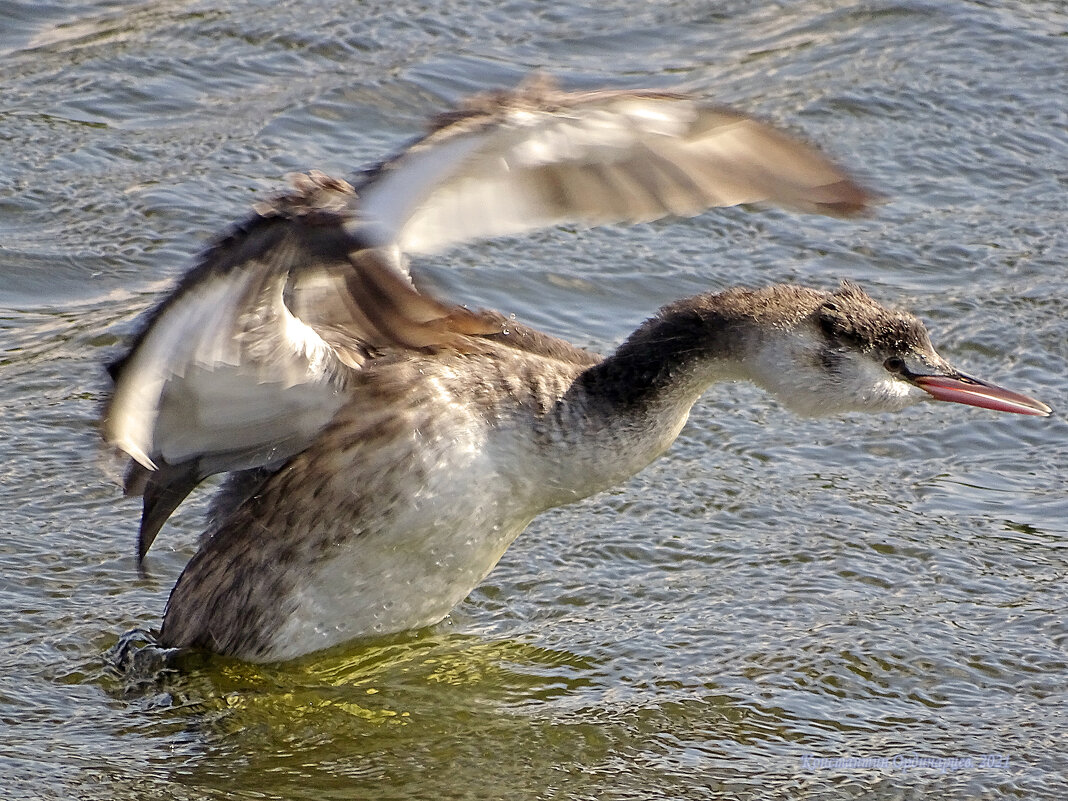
column 772, row 589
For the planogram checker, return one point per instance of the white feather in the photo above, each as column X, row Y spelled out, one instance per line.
column 202, row 383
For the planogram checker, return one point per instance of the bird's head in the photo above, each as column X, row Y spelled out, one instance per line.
column 822, row 353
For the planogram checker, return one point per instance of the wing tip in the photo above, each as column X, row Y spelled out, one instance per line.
column 847, row 198
column 163, row 491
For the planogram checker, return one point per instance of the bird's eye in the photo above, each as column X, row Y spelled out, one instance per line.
column 895, row 364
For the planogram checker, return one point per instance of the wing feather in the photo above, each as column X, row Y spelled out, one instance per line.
column 250, row 356
column 513, row 162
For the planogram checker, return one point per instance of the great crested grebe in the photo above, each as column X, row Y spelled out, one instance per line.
column 385, row 447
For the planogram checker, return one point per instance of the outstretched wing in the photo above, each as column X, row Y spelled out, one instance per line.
column 249, row 357
column 510, row 162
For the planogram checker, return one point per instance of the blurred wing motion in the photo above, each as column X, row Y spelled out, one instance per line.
column 249, row 357
column 513, row 162
column 254, row 351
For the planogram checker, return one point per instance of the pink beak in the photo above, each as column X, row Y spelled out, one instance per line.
column 973, row 392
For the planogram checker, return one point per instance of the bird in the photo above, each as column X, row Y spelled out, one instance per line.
column 384, row 446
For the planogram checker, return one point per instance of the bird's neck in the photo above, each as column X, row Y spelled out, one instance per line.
column 671, row 360
column 622, row 413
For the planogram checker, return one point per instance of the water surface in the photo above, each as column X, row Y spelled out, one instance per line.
column 773, row 592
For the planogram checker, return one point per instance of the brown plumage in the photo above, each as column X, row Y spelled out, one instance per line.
column 386, row 446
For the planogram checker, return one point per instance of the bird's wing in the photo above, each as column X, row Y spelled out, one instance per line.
column 510, row 162
column 247, row 359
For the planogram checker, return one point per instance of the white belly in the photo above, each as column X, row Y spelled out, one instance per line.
column 389, row 586
column 409, row 567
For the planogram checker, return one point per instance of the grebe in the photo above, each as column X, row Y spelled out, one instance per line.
column 384, row 446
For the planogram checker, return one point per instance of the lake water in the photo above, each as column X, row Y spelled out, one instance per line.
column 771, row 597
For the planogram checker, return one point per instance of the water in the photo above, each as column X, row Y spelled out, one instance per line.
column 773, row 592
